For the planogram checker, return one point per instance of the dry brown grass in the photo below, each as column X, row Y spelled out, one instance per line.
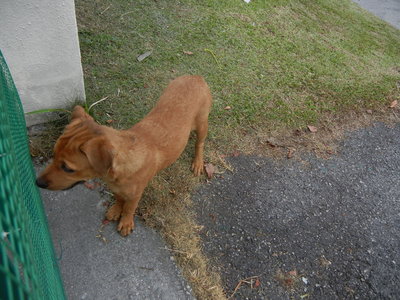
column 167, row 206
column 42, row 138
column 277, row 143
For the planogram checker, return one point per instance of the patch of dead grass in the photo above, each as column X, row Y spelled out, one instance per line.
column 331, row 129
column 167, row 206
column 43, row 136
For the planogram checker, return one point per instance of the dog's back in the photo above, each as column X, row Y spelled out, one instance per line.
column 184, row 106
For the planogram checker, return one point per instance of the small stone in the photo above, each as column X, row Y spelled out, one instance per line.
column 144, row 55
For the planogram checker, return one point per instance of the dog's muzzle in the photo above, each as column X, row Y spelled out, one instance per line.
column 42, row 183
column 70, row 187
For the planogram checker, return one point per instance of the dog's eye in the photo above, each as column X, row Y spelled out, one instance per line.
column 66, row 169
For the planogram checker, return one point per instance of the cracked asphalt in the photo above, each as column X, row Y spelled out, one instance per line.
column 309, row 228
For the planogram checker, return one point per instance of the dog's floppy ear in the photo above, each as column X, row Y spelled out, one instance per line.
column 99, row 153
column 79, row 112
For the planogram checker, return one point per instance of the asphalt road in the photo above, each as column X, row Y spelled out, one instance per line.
column 309, row 228
column 388, row 10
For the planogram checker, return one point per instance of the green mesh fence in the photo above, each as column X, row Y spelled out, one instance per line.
column 28, row 268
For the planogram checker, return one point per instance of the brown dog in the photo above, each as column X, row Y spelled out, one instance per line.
column 127, row 159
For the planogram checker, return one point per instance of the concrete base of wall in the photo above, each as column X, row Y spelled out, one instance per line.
column 39, row 41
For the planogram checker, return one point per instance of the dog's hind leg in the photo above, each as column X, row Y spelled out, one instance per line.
column 198, row 161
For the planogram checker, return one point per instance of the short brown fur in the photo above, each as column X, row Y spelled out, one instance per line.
column 127, row 159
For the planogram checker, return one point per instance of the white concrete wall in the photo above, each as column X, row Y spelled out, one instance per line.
column 39, row 41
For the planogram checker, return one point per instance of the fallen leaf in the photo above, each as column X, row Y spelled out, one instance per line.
column 213, row 217
column 288, row 282
column 257, row 283
column 272, row 142
column 90, row 186
column 109, row 121
column 236, row 153
column 312, row 128
column 227, row 107
column 188, row 52
column 173, row 192
column 144, row 55
column 393, row 104
column 241, row 282
column 369, row 111
column 290, row 153
column 210, row 169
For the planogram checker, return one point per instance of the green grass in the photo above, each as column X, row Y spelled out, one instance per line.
column 280, row 63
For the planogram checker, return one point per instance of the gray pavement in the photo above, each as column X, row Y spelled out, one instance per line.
column 309, row 228
column 388, row 10
column 97, row 263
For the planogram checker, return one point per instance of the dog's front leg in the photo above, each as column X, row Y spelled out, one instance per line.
column 126, row 224
column 114, row 211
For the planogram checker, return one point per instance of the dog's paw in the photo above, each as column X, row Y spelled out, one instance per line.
column 126, row 225
column 114, row 212
column 197, row 167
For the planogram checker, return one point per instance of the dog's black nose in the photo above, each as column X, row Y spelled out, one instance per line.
column 41, row 183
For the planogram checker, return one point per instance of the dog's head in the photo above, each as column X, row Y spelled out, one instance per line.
column 82, row 152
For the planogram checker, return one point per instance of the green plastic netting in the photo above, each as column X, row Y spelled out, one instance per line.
column 28, row 267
